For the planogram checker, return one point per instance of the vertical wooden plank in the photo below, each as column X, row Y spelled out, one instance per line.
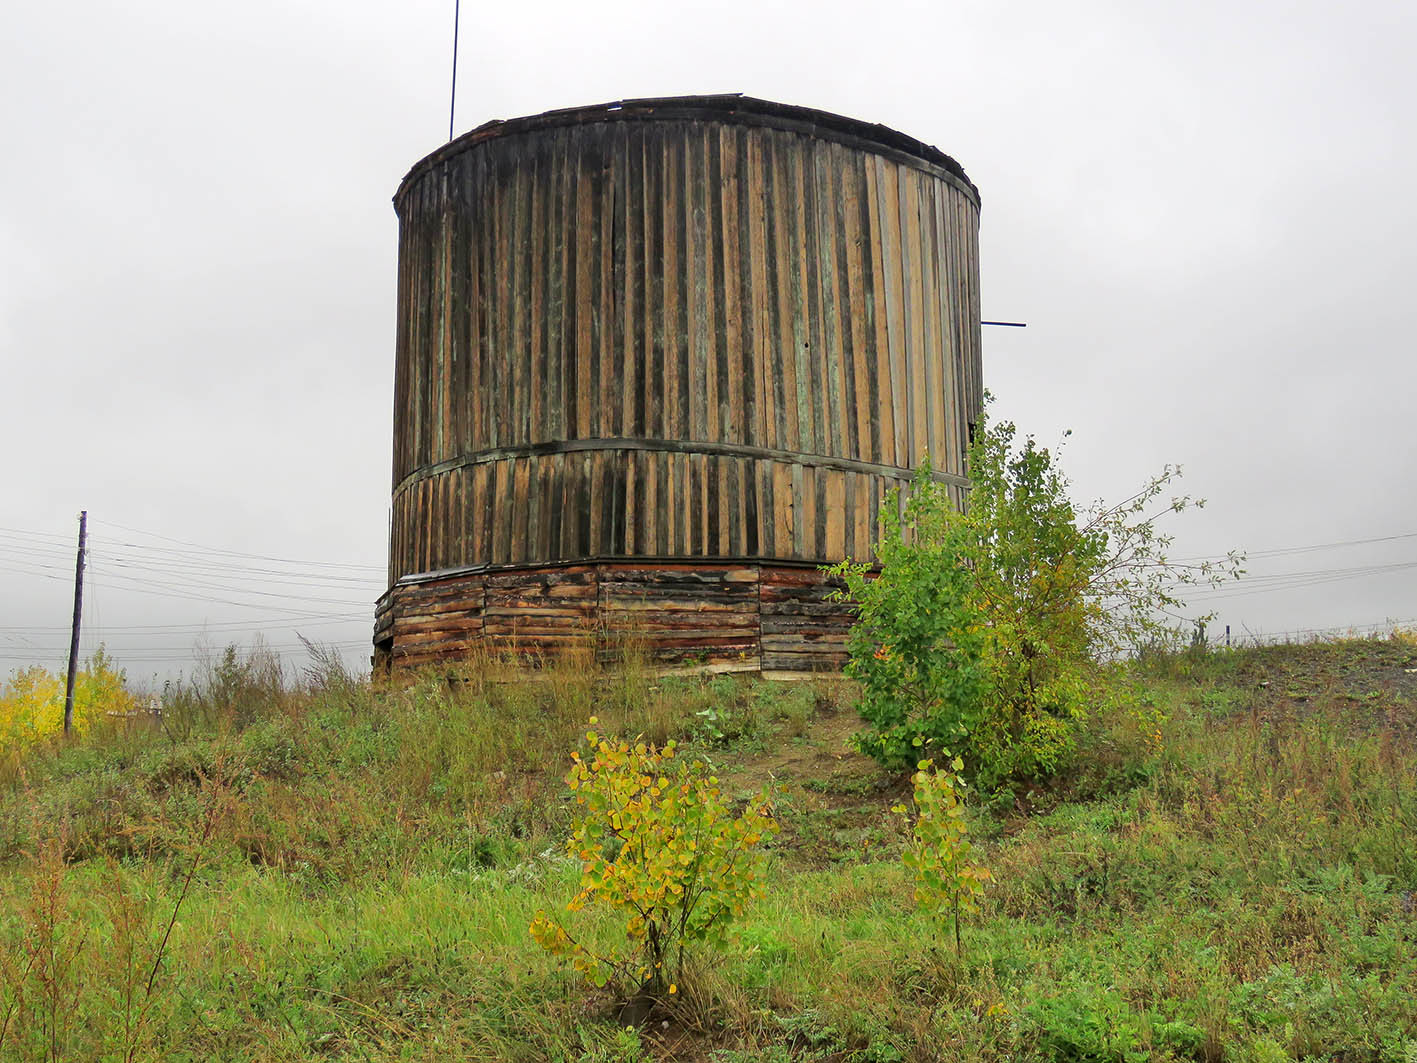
column 552, row 255
column 608, row 403
column 806, row 341
column 655, row 266
column 434, row 526
column 415, row 541
column 481, row 529
column 730, row 508
column 867, row 418
column 635, row 477
column 595, row 504
column 964, row 319
column 586, row 367
column 726, row 355
column 402, row 361
column 520, row 266
column 612, row 523
column 782, row 367
column 893, row 256
column 838, row 186
column 444, row 441
column 680, row 208
column 425, row 545
column 971, row 324
column 629, row 253
column 551, row 506
column 695, row 484
column 581, row 507
column 671, row 504
column 666, row 506
column 498, row 415
column 569, row 239
column 549, row 530
column 670, row 289
column 707, row 330
column 859, row 502
column 570, row 512
column 942, row 252
column 913, row 333
column 538, row 250
column 884, row 360
column 530, row 508
column 685, row 493
column 760, row 328
column 445, row 521
column 804, row 513
column 819, row 484
column 674, row 505
column 470, row 263
column 474, row 518
column 460, row 516
column 699, row 395
column 486, row 296
column 519, row 546
column 928, row 312
column 415, row 321
column 396, row 563
column 840, row 406
column 836, row 516
column 502, row 514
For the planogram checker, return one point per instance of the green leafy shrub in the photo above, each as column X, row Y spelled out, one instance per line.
column 917, row 646
column 1086, row 1027
column 656, row 842
column 946, row 881
column 979, row 631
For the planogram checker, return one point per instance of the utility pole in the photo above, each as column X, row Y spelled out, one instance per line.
column 78, row 611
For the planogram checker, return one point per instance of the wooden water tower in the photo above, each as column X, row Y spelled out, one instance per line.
column 660, row 360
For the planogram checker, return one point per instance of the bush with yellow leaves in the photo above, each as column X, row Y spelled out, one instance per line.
column 32, row 701
column 656, row 841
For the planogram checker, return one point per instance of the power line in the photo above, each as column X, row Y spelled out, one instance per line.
column 1297, row 580
column 239, row 625
column 1278, row 551
column 238, row 553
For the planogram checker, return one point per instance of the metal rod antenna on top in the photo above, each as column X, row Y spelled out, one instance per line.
column 453, row 101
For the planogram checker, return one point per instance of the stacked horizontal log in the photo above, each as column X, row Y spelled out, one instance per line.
column 768, row 617
column 431, row 620
column 679, row 612
column 545, row 611
column 803, row 623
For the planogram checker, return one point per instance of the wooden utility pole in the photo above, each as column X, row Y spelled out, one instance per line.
column 78, row 611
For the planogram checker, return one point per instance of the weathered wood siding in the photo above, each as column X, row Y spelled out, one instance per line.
column 693, row 329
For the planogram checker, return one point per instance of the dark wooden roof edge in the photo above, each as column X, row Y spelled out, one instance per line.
column 734, row 107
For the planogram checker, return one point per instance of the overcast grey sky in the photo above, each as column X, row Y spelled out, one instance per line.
column 1204, row 211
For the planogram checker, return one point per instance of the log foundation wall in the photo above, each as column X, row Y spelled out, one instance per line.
column 754, row 616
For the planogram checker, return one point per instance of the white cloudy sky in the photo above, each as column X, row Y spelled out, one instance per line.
column 1204, row 211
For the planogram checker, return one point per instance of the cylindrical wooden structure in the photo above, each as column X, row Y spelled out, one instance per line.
column 657, row 362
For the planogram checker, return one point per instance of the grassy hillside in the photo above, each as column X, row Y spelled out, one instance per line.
column 327, row 870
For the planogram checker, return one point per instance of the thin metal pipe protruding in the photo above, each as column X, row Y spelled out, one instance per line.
column 453, row 102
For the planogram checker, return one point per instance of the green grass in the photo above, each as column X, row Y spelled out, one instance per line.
column 353, row 869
